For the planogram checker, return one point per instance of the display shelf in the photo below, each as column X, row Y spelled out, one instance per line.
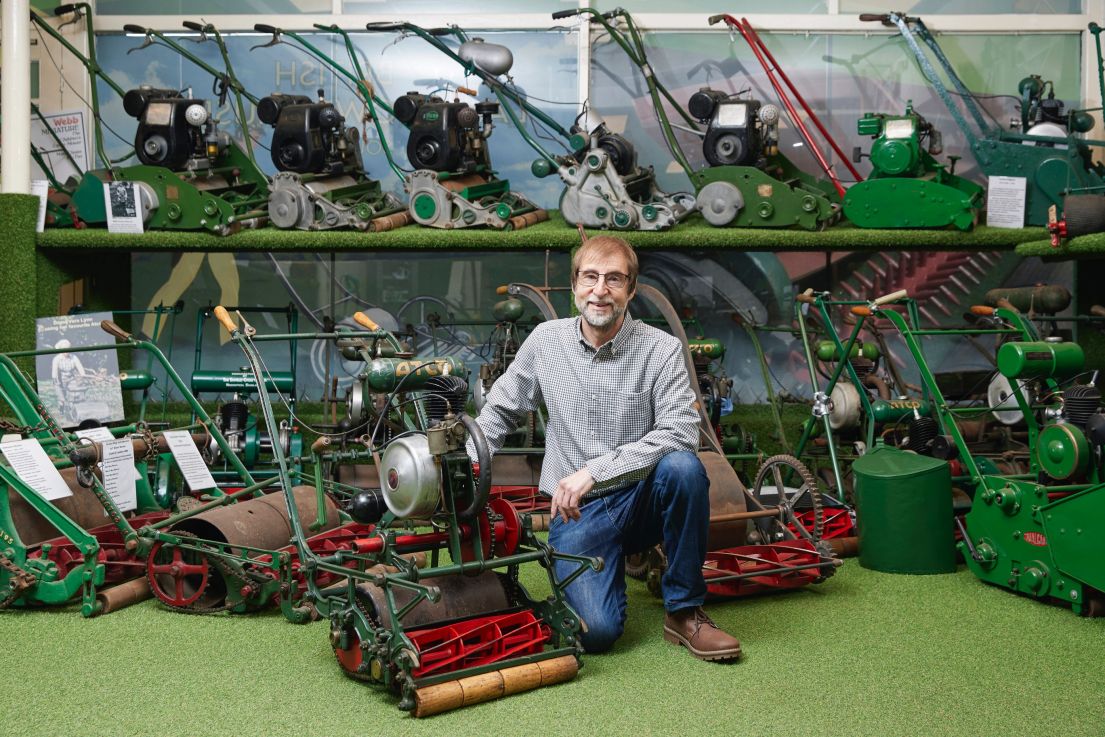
column 1082, row 247
column 694, row 234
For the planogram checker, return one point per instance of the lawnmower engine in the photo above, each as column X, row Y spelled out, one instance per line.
column 739, row 132
column 321, row 184
column 459, row 633
column 309, row 137
column 453, row 185
column 252, row 446
column 920, row 193
column 1043, row 537
column 174, row 132
column 605, row 188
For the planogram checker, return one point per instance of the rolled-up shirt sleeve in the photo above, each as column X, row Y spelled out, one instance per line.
column 675, row 427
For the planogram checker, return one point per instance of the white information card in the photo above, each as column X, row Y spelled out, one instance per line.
column 34, row 467
column 189, row 460
column 118, row 470
column 1005, row 202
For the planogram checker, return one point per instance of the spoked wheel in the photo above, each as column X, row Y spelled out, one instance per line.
column 177, row 577
column 783, row 481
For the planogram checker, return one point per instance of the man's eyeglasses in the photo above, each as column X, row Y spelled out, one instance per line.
column 614, row 279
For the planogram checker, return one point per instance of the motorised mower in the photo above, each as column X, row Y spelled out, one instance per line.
column 1049, row 151
column 747, row 182
column 604, row 185
column 455, row 633
column 453, row 184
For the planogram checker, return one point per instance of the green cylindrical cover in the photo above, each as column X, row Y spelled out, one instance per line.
column 385, row 374
column 1037, row 359
column 904, row 509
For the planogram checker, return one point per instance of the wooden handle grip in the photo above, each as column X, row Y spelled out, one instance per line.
column 225, row 319
column 365, row 321
column 110, row 327
column 892, row 297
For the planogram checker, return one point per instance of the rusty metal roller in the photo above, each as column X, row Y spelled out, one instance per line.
column 259, row 523
column 726, row 497
column 461, row 596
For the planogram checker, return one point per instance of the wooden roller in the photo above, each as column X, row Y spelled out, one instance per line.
column 390, row 222
column 530, row 218
column 442, row 697
column 123, row 595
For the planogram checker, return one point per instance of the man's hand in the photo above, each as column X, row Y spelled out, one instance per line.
column 569, row 491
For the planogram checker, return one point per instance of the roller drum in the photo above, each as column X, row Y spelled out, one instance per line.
column 259, row 523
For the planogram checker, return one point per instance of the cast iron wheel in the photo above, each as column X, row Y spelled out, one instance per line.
column 177, row 577
column 783, row 481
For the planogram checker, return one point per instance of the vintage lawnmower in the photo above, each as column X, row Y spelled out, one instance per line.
column 453, row 184
column 322, row 183
column 60, row 202
column 455, row 633
column 1049, row 150
column 234, row 418
column 604, row 185
column 1030, row 532
column 747, row 182
column 74, row 546
column 192, row 176
column 907, row 188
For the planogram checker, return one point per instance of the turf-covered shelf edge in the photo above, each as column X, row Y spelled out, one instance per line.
column 555, row 233
column 18, row 214
column 1084, row 246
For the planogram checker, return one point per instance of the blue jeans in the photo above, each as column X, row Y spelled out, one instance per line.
column 671, row 506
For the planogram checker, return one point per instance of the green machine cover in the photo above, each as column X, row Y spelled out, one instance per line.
column 904, row 506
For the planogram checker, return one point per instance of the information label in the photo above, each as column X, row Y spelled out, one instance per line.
column 1005, row 202
column 102, row 434
column 34, row 467
column 118, row 471
column 189, row 460
column 123, row 203
column 40, row 188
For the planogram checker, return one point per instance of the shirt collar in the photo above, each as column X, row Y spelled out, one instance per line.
column 616, row 343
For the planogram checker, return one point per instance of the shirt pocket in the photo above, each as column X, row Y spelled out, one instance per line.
column 627, row 419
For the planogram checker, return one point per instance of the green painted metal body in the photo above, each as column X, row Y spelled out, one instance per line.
column 241, row 382
column 768, row 201
column 904, row 509
column 1037, row 546
column 710, row 348
column 907, row 188
column 1052, row 166
column 1037, row 359
column 386, row 374
column 827, row 351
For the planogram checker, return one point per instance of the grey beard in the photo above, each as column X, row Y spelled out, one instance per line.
column 598, row 321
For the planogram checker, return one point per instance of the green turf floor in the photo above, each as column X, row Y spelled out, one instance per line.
column 862, row 654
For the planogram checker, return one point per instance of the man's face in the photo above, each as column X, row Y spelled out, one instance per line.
column 601, row 305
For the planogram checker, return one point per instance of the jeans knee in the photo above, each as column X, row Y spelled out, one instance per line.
column 601, row 635
column 682, row 467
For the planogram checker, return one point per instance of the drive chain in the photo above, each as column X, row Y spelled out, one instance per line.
column 19, row 582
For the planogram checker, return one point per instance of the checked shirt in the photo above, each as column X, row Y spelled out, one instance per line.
column 617, row 409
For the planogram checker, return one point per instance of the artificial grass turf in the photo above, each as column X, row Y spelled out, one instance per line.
column 864, row 653
column 555, row 233
column 1086, row 245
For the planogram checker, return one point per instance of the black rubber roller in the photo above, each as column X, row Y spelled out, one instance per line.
column 1084, row 214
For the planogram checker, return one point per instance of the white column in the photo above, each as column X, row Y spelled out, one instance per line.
column 16, row 109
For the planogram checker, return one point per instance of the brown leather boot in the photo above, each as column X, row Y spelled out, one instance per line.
column 692, row 629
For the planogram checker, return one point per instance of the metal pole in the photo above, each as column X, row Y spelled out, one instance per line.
column 15, row 177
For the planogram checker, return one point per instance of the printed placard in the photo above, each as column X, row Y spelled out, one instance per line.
column 1005, row 200
column 34, row 467
column 118, row 473
column 189, row 460
column 123, row 201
